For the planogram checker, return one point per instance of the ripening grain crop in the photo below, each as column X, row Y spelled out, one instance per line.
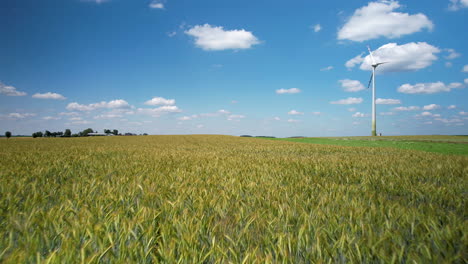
column 221, row 199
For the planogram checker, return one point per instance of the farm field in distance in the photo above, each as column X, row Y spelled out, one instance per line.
column 457, row 145
column 222, row 199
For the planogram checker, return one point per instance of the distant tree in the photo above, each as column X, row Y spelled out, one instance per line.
column 67, row 133
column 85, row 132
column 115, row 132
column 145, row 134
column 75, row 135
column 37, row 134
column 47, row 133
column 8, row 134
column 107, row 131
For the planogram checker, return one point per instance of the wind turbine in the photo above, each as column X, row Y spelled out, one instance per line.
column 372, row 79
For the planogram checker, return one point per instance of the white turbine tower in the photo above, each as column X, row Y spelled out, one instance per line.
column 372, row 79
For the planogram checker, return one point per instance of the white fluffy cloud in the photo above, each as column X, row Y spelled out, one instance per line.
column 378, row 19
column 20, row 115
column 69, row 114
column 293, row 121
column 406, row 108
column 156, row 5
column 160, row 101
column 97, row 1
column 210, row 37
column 317, row 28
column 108, row 116
column 457, row 4
column 49, row 95
column 328, row 68
column 114, row 104
column 451, row 107
column 316, row 113
column 387, row 101
column 431, row 107
column 351, row 85
column 294, row 112
column 452, row 54
column 158, row 111
column 428, row 88
column 408, row 57
column 465, row 68
column 51, row 118
column 288, row 91
column 427, row 114
column 349, row 100
column 235, row 117
column 354, row 61
column 184, row 118
column 10, row 90
column 359, row 114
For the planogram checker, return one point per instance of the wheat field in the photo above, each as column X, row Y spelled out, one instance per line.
column 223, row 199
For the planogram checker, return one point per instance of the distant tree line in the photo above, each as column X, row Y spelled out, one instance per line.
column 68, row 133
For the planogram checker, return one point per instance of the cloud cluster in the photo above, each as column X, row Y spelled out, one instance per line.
column 428, row 88
column 348, row 101
column 114, row 104
column 452, row 54
column 51, row 118
column 457, row 4
column 294, row 112
column 49, row 95
column 158, row 111
column 328, row 68
column 20, row 115
column 317, row 28
column 160, row 101
column 378, row 19
column 235, row 117
column 10, row 91
column 351, row 85
column 156, row 5
column 387, row 101
column 465, row 68
column 97, row 1
column 212, row 38
column 288, row 91
column 108, row 116
column 406, row 108
column 432, row 107
column 359, row 114
column 408, row 57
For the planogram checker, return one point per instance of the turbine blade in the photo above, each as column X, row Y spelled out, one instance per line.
column 380, row 63
column 372, row 57
column 370, row 80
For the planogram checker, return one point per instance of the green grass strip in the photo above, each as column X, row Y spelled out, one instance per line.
column 428, row 146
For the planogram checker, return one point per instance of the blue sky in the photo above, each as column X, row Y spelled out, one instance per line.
column 233, row 67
